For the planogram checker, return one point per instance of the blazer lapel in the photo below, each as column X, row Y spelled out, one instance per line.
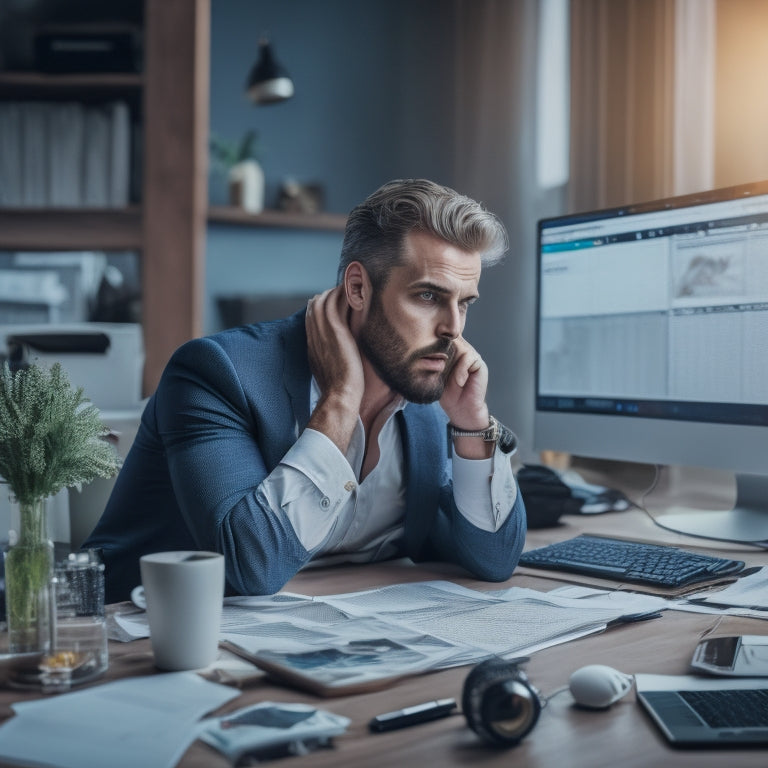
column 424, row 454
column 296, row 373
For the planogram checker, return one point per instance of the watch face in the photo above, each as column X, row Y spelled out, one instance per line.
column 493, row 432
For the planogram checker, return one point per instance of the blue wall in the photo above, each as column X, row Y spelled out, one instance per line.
column 373, row 102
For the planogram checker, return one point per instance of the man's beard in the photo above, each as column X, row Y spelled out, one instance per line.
column 387, row 352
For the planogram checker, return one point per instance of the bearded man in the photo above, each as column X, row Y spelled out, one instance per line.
column 356, row 430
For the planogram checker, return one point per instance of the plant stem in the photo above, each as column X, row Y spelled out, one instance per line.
column 28, row 570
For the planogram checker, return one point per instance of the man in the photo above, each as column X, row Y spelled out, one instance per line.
column 326, row 437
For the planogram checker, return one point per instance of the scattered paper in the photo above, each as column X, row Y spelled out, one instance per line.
column 747, row 596
column 143, row 721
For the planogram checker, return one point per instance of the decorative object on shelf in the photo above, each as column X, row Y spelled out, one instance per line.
column 245, row 176
column 51, row 437
column 301, row 198
column 268, row 82
column 88, row 48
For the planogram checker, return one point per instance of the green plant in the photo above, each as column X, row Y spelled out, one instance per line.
column 51, row 436
column 226, row 153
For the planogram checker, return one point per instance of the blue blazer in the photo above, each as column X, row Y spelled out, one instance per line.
column 227, row 409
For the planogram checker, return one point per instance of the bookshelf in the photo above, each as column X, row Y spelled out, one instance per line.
column 167, row 226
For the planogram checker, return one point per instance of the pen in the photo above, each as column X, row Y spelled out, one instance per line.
column 419, row 713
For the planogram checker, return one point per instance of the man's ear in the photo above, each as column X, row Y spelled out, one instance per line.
column 357, row 286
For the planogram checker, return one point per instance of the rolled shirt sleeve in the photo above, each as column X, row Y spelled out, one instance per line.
column 310, row 486
column 484, row 490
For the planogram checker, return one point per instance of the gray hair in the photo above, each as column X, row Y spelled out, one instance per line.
column 377, row 228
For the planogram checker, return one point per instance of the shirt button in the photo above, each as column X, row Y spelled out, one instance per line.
column 325, row 502
column 349, row 486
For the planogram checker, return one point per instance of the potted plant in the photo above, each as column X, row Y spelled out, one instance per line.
column 245, row 177
column 51, row 437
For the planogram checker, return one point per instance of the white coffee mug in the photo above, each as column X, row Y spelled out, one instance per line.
column 184, row 592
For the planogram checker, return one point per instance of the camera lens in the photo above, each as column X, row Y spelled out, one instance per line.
column 508, row 710
column 499, row 703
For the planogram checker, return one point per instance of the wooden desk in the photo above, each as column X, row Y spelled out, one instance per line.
column 564, row 736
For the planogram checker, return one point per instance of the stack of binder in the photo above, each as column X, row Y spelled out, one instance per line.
column 64, row 154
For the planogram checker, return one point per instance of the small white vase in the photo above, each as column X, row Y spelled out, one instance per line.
column 246, row 186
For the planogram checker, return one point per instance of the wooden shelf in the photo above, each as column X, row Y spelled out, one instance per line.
column 71, row 229
column 41, row 83
column 334, row 222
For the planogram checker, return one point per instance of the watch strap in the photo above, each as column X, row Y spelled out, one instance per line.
column 495, row 432
column 489, row 434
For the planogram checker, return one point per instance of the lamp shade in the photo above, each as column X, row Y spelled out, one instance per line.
column 268, row 81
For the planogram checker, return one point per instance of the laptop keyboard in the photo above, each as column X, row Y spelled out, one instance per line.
column 741, row 708
column 651, row 564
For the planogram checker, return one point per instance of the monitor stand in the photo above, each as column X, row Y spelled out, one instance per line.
column 746, row 523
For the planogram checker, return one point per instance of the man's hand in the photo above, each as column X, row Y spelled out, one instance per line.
column 336, row 365
column 464, row 399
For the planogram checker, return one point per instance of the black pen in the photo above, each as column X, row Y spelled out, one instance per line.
column 419, row 713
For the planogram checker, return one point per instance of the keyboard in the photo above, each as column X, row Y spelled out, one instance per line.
column 655, row 565
column 745, row 708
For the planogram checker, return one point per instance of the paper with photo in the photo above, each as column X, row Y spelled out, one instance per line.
column 270, row 729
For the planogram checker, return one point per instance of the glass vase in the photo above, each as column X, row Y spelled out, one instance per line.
column 28, row 577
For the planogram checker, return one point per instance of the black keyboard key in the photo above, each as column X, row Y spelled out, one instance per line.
column 739, row 708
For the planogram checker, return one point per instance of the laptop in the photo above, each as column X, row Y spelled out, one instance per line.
column 705, row 711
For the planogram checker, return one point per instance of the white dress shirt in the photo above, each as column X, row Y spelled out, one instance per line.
column 337, row 518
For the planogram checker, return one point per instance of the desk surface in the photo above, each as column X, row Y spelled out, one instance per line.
column 565, row 735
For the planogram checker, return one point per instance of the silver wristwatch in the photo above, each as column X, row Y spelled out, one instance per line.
column 490, row 434
column 495, row 432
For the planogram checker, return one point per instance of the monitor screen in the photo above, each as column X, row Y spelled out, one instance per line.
column 652, row 342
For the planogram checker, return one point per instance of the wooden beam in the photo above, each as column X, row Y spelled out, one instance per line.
column 177, row 54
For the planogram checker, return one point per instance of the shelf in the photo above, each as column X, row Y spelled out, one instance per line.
column 71, row 229
column 22, row 83
column 333, row 222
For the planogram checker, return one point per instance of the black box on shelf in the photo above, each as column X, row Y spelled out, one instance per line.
column 71, row 49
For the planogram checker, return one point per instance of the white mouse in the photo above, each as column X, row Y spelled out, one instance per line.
column 597, row 686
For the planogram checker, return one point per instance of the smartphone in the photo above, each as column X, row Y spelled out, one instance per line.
column 735, row 656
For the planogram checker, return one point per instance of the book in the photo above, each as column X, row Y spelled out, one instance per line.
column 34, row 137
column 96, row 181
column 10, row 155
column 65, row 154
column 119, row 154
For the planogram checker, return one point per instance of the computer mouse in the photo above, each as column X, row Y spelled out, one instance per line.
column 597, row 686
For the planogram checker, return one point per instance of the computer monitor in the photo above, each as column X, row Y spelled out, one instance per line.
column 652, row 343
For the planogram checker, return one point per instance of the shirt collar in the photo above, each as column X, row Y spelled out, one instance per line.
column 396, row 404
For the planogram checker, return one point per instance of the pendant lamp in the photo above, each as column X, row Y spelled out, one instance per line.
column 268, row 82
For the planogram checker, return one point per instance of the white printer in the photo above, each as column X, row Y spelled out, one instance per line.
column 107, row 361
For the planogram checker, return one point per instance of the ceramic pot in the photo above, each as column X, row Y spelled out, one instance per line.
column 246, row 186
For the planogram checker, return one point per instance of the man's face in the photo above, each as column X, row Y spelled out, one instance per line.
column 413, row 321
